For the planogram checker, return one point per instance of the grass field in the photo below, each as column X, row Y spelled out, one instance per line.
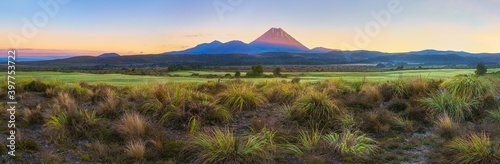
column 119, row 79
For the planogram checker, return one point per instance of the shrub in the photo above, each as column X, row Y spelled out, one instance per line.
column 352, row 144
column 446, row 127
column 481, row 69
column 136, row 149
column 474, row 148
column 459, row 107
column 221, row 146
column 132, row 125
column 242, row 98
column 315, row 106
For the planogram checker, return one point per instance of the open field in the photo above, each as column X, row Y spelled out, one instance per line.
column 408, row 120
column 119, row 79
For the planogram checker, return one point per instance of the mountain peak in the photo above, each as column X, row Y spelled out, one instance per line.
column 278, row 37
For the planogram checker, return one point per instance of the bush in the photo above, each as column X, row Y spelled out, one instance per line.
column 481, row 69
column 242, row 98
column 475, row 148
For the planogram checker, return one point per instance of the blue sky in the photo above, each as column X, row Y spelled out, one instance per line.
column 155, row 26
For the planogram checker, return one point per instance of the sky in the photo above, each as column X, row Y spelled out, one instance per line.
column 91, row 27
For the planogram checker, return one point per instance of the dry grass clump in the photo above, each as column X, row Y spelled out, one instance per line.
column 132, row 125
column 136, row 149
column 379, row 121
column 372, row 93
column 33, row 116
column 283, row 93
column 238, row 98
column 446, row 127
column 108, row 108
column 64, row 102
column 334, row 86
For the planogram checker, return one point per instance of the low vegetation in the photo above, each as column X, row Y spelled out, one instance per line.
column 406, row 120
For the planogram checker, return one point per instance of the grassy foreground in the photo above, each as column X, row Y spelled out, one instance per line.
column 185, row 76
column 411, row 120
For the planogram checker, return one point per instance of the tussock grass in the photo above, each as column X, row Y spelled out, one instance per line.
column 408, row 87
column 372, row 93
column 353, row 144
column 446, row 127
column 136, row 149
column 109, row 107
column 334, row 86
column 283, row 93
column 495, row 115
column 238, row 98
column 475, row 148
column 310, row 140
column 315, row 106
column 132, row 125
column 221, row 146
column 64, row 102
column 379, row 121
column 163, row 146
column 469, row 86
column 33, row 116
column 458, row 107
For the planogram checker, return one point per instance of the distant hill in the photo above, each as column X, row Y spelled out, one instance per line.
column 274, row 58
column 107, row 55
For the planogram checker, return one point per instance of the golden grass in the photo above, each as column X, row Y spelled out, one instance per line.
column 136, row 149
column 132, row 125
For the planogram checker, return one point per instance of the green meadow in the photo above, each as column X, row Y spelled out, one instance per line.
column 185, row 76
